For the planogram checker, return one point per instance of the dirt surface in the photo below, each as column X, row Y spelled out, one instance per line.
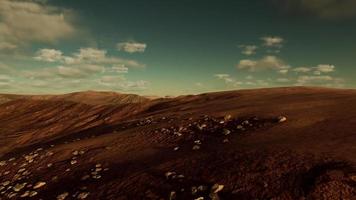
column 280, row 143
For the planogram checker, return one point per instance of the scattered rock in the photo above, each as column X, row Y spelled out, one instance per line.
column 2, row 163
column 19, row 186
column 83, row 195
column 282, row 119
column 39, row 185
column 170, row 174
column 196, row 147
column 62, row 196
column 172, row 195
column 217, row 188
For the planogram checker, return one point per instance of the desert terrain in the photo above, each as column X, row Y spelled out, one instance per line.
column 277, row 143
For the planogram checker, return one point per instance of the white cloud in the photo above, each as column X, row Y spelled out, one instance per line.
column 248, row 49
column 325, row 68
column 318, row 70
column 49, row 55
column 91, row 54
column 272, row 41
column 119, row 69
column 283, row 71
column 22, row 22
column 302, row 69
column 222, row 76
column 318, row 80
column 84, row 56
column 131, row 47
column 268, row 62
column 231, row 82
column 282, row 80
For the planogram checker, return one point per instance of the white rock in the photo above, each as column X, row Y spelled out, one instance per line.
column 217, row 188
column 2, row 163
column 282, row 119
column 33, row 193
column 83, row 195
column 39, row 185
column 62, row 196
column 196, row 147
column 25, row 194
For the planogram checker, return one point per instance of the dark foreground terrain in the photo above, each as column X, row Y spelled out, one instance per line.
column 283, row 143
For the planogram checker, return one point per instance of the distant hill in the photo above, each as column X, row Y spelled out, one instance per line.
column 86, row 97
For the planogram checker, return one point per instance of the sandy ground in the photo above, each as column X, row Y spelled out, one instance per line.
column 281, row 143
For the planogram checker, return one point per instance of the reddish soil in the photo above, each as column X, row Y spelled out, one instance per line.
column 225, row 145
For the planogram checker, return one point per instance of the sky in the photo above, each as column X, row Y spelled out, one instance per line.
column 175, row 47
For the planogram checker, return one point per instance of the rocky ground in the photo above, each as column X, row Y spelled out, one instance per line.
column 230, row 145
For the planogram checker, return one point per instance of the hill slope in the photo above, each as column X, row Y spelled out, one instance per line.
column 87, row 97
column 280, row 143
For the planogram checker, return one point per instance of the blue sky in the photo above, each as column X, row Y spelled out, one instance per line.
column 162, row 47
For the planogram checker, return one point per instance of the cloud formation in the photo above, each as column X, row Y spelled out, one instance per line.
column 323, row 9
column 266, row 63
column 22, row 22
column 248, row 49
column 84, row 56
column 132, row 47
column 272, row 41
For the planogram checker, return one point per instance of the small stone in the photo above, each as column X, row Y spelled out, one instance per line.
column 96, row 176
column 39, row 185
column 194, row 190
column 6, row 183
column 25, row 194
column 33, row 193
column 170, row 174
column 227, row 117
column 21, row 170
column 197, row 142
column 49, row 165
column 83, row 195
column 199, row 198
column 282, row 119
column 196, row 147
column 19, row 187
column 226, row 132
column 176, row 148
column 11, row 195
column 98, row 165
column 172, row 195
column 226, row 140
column 75, row 153
column 2, row 163
column 73, row 162
column 62, row 196
column 217, row 188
